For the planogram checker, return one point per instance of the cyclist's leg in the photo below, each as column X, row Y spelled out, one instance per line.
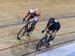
column 55, row 29
column 31, row 29
column 47, row 40
column 33, row 25
column 35, row 20
column 51, row 37
column 49, row 30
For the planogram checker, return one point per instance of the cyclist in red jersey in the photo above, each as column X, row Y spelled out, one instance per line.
column 32, row 14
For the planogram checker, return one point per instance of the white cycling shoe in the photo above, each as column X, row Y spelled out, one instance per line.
column 50, row 42
column 29, row 34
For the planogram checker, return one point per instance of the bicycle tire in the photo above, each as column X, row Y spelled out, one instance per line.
column 21, row 33
column 41, row 43
column 39, row 46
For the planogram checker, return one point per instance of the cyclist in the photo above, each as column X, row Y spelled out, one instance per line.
column 32, row 14
column 54, row 26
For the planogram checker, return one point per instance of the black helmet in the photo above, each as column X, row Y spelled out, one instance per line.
column 51, row 20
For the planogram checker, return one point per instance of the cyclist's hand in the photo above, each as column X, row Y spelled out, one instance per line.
column 43, row 31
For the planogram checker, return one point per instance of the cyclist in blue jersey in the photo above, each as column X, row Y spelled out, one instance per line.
column 53, row 25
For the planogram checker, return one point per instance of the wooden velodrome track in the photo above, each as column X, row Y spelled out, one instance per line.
column 11, row 12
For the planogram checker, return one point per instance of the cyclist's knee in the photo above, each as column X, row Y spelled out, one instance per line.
column 51, row 38
column 34, row 22
column 53, row 35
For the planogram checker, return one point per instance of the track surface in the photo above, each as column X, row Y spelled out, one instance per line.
column 12, row 12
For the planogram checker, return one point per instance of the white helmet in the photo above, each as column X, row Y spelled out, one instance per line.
column 31, row 10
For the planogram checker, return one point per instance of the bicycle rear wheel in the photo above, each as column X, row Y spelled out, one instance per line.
column 21, row 33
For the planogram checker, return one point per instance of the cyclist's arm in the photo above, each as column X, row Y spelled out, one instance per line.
column 26, row 17
column 48, row 25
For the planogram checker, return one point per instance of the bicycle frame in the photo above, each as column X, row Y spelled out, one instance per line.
column 43, row 41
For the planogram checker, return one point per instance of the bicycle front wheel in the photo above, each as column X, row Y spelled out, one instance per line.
column 39, row 45
column 21, row 33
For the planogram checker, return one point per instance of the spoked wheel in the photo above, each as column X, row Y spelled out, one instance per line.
column 21, row 33
column 41, row 43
